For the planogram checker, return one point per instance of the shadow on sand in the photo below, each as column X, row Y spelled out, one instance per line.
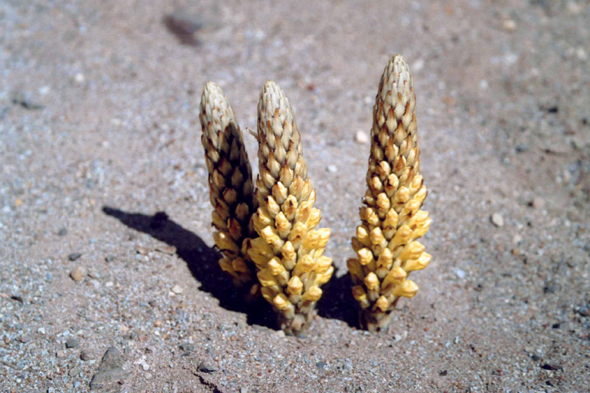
column 201, row 261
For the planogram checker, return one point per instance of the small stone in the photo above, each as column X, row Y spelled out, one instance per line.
column 73, row 256
column 75, row 371
column 62, row 232
column 332, row 168
column 584, row 311
column 94, row 275
column 109, row 258
column 166, row 249
column 110, row 372
column 321, row 365
column 60, row 354
column 77, row 274
column 206, row 368
column 187, row 347
column 551, row 366
column 86, row 355
column 177, row 289
column 24, row 339
column 72, row 343
column 361, row 137
column 397, row 338
column 79, row 77
column 460, row 273
column 509, row 25
column 498, row 220
column 142, row 250
column 280, row 334
column 516, row 239
column 537, row 203
column 41, row 330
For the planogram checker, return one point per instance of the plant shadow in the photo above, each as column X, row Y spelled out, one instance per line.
column 201, row 261
column 337, row 301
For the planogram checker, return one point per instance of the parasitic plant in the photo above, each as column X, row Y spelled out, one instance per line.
column 385, row 242
column 289, row 250
column 230, row 185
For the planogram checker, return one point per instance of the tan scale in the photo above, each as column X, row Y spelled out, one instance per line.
column 289, row 250
column 230, row 186
column 385, row 242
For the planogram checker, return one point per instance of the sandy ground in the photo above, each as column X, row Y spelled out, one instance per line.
column 100, row 136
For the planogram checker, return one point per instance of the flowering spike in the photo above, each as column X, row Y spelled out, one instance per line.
column 230, row 185
column 286, row 218
column 392, row 220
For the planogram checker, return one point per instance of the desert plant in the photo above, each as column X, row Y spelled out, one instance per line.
column 289, row 250
column 385, row 242
column 230, row 186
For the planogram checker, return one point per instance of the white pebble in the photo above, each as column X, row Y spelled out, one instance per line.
column 332, row 168
column 177, row 289
column 361, row 137
column 498, row 220
column 460, row 273
column 79, row 77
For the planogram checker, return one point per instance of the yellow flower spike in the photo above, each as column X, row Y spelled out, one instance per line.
column 391, row 219
column 230, row 184
column 295, row 266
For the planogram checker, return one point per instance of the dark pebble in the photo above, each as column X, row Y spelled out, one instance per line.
column 73, row 256
column 206, row 368
column 17, row 298
column 443, row 373
column 72, row 343
column 62, row 232
column 187, row 347
column 536, row 357
column 110, row 258
column 320, row 365
column 551, row 367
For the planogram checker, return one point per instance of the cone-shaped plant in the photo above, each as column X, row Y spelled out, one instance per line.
column 230, row 186
column 288, row 251
column 385, row 242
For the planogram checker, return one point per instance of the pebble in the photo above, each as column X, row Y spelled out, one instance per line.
column 72, row 343
column 332, row 168
column 110, row 371
column 498, row 220
column 25, row 339
column 77, row 274
column 60, row 354
column 509, row 25
column 187, row 347
column 73, row 256
column 206, row 368
column 361, row 137
column 75, row 371
column 584, row 311
column 177, row 289
column 460, row 273
column 516, row 239
column 537, row 203
column 86, row 355
column 62, row 232
column 321, row 365
column 109, row 258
